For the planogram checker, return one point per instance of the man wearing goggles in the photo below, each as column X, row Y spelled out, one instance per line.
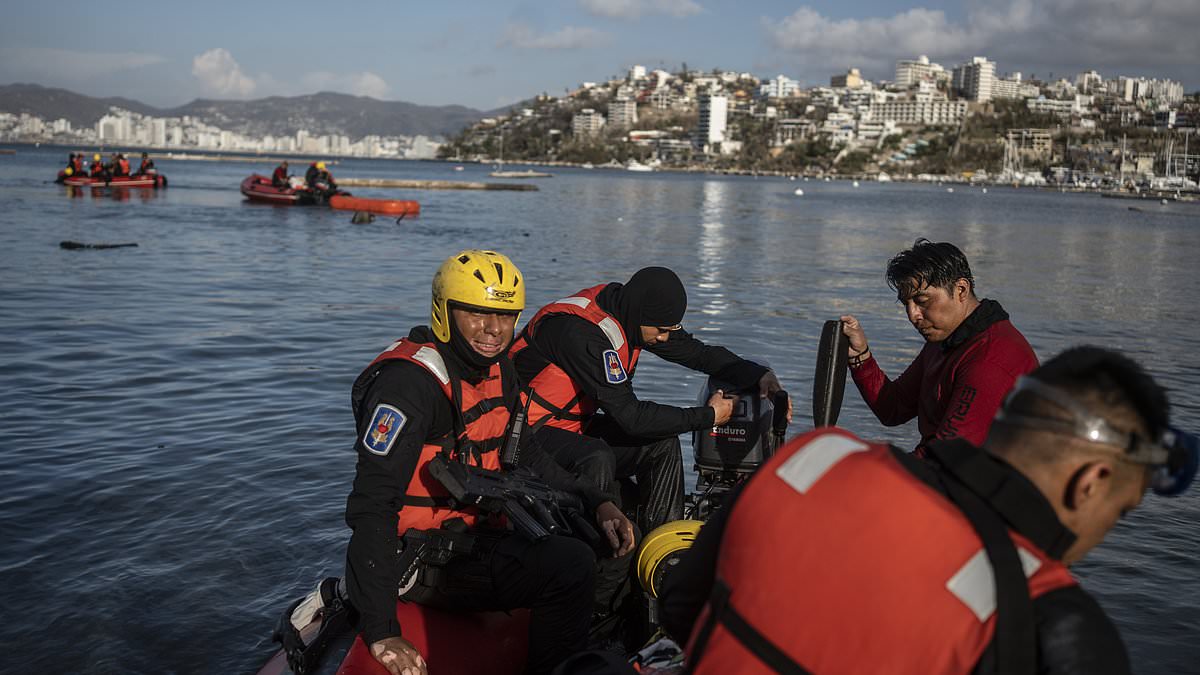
column 1171, row 460
column 955, row 564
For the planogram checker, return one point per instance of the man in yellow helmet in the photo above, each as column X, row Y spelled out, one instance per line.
column 320, row 181
column 99, row 169
column 450, row 388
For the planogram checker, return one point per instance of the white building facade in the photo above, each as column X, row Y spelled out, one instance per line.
column 974, row 79
column 909, row 73
column 930, row 112
column 587, row 122
column 714, row 113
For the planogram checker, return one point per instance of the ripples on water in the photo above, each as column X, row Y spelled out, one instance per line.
column 176, row 428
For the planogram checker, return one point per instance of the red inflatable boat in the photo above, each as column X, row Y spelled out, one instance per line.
column 260, row 189
column 149, row 180
column 452, row 643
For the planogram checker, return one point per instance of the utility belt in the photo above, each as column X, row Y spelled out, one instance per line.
column 426, row 556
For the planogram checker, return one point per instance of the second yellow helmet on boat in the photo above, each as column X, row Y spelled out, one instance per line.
column 661, row 550
column 481, row 279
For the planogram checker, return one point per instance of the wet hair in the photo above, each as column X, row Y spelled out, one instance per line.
column 936, row 264
column 1105, row 381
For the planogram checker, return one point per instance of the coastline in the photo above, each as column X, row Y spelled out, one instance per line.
column 174, row 154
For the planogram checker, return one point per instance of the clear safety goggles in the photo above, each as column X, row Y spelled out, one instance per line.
column 1173, row 458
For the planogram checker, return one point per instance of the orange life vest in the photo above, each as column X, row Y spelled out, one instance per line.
column 124, row 166
column 837, row 559
column 484, row 420
column 556, row 400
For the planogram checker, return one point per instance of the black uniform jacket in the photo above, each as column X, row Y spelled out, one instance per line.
column 380, row 482
column 577, row 346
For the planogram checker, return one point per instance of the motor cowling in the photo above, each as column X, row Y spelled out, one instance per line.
column 746, row 440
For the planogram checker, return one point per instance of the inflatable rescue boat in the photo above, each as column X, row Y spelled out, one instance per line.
column 260, row 189
column 149, row 180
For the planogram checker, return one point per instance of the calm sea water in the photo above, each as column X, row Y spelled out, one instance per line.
column 176, row 437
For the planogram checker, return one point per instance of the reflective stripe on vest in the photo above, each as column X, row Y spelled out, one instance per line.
column 836, row 559
column 556, row 400
column 485, row 417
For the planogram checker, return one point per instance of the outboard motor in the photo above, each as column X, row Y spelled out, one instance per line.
column 726, row 455
column 729, row 453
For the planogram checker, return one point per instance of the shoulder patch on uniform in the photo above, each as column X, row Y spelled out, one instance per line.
column 614, row 372
column 385, row 426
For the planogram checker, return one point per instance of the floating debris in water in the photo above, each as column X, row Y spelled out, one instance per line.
column 77, row 245
column 799, row 192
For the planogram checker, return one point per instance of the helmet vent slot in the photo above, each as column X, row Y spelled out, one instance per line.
column 479, row 276
column 464, row 259
column 499, row 271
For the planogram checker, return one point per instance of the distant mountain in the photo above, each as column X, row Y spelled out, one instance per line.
column 51, row 104
column 322, row 113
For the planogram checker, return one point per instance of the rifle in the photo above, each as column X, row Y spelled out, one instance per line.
column 535, row 509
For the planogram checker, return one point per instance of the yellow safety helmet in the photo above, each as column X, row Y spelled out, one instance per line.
column 661, row 550
column 482, row 279
column 321, row 165
column 69, row 171
column 96, row 157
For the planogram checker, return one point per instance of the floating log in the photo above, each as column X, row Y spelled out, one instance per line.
column 76, row 245
column 433, row 184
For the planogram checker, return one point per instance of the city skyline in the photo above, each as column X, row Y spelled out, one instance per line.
column 487, row 55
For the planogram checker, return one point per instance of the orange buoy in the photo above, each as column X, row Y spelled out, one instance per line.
column 390, row 207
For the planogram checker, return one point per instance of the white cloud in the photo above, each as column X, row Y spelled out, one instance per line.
column 368, row 84
column 1151, row 37
column 221, row 75
column 360, row 84
column 633, row 9
column 523, row 36
column 47, row 63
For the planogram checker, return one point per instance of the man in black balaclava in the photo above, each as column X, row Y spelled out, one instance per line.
column 577, row 357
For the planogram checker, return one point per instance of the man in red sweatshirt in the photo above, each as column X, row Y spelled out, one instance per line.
column 972, row 355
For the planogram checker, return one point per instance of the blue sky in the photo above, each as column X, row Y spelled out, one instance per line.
column 488, row 54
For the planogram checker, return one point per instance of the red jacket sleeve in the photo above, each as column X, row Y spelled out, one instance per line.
column 894, row 402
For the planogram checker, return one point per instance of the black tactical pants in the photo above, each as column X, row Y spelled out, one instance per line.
column 604, row 454
column 555, row 578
